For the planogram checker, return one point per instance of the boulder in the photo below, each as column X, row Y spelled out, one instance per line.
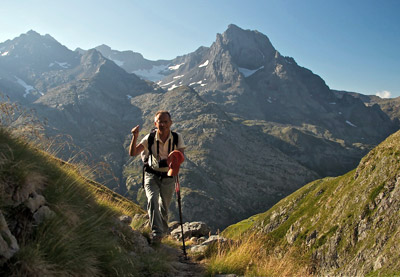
column 42, row 214
column 125, row 219
column 192, row 229
column 35, row 201
column 8, row 243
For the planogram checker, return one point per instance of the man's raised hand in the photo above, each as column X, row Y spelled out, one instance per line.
column 135, row 131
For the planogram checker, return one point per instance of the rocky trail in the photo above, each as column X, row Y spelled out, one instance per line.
column 180, row 266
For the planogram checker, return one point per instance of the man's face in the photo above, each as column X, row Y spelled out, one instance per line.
column 163, row 123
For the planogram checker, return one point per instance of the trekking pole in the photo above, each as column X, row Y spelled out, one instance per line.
column 178, row 196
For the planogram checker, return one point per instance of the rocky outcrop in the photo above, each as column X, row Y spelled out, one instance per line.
column 28, row 209
column 8, row 243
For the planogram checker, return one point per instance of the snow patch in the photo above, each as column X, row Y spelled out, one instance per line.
column 61, row 64
column 167, row 84
column 196, row 83
column 175, row 67
column 204, row 64
column 4, row 54
column 28, row 88
column 248, row 72
column 172, row 87
column 177, row 77
column 153, row 74
column 351, row 124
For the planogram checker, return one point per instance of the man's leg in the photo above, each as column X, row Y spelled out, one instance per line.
column 152, row 185
column 167, row 189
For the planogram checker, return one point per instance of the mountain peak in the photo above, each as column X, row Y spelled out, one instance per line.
column 33, row 33
column 234, row 27
column 103, row 47
column 249, row 49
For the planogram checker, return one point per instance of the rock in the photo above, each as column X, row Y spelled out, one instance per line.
column 201, row 240
column 142, row 219
column 214, row 238
column 142, row 246
column 35, row 201
column 291, row 234
column 42, row 214
column 173, row 225
column 380, row 261
column 192, row 229
column 8, row 243
column 311, row 238
column 198, row 249
column 193, row 239
column 125, row 219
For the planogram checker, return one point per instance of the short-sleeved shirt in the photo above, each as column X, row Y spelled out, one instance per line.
column 163, row 149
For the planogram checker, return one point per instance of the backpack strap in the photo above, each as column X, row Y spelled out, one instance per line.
column 150, row 142
column 175, row 140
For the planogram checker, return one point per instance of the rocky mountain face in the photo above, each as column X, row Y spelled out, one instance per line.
column 30, row 65
column 257, row 125
column 87, row 98
column 133, row 62
column 343, row 226
column 288, row 105
column 390, row 106
column 292, row 107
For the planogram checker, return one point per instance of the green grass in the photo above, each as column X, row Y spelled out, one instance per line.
column 83, row 237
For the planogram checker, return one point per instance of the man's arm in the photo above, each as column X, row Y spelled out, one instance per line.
column 133, row 148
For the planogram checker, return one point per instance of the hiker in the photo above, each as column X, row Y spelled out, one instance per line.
column 159, row 187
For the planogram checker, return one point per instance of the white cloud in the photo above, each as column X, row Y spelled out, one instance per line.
column 384, row 94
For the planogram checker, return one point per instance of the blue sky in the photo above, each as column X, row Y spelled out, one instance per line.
column 352, row 44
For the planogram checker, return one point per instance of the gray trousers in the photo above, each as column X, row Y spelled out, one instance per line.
column 159, row 194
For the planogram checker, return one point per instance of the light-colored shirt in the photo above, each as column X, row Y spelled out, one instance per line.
column 163, row 149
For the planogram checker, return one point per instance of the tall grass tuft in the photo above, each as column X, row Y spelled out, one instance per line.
column 251, row 256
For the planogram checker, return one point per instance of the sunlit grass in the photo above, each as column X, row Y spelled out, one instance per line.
column 251, row 256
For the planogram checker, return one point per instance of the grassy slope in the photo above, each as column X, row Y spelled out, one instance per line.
column 83, row 237
column 333, row 225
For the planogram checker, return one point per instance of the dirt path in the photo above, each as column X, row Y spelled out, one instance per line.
column 181, row 267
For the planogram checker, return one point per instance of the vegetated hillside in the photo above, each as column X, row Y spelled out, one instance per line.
column 54, row 222
column 348, row 225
